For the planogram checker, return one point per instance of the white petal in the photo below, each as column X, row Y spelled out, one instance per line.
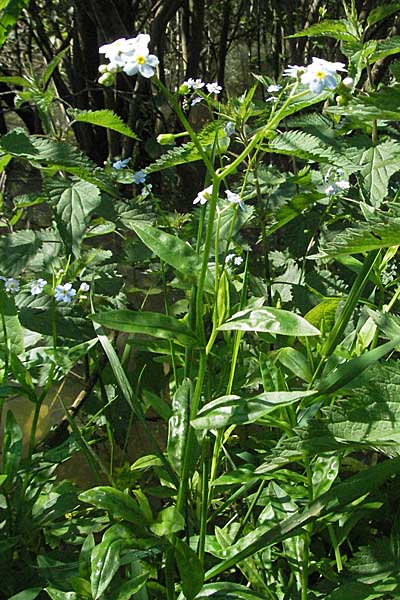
column 152, row 60
column 146, row 70
column 131, row 68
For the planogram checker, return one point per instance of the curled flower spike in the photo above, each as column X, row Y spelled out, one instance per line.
column 64, row 293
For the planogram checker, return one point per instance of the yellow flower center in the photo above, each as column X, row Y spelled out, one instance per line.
column 140, row 60
column 320, row 74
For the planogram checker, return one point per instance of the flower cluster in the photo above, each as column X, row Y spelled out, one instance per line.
column 192, row 86
column 233, row 259
column 62, row 293
column 205, row 195
column 337, row 187
column 130, row 55
column 318, row 76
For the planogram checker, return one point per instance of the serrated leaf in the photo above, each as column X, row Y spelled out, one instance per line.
column 303, row 145
column 104, row 118
column 235, row 410
column 270, row 320
column 381, row 12
column 9, row 16
column 73, row 202
column 370, row 236
column 337, row 29
column 379, row 163
column 149, row 323
column 17, row 250
column 385, row 48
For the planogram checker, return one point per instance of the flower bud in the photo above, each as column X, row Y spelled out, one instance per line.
column 341, row 100
column 348, row 82
column 165, row 138
column 107, row 79
column 103, row 69
column 183, row 89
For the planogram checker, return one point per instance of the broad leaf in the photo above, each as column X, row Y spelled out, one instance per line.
column 178, row 425
column 337, row 29
column 379, row 163
column 13, row 333
column 149, row 323
column 117, row 503
column 73, row 202
column 235, row 410
column 105, row 562
column 381, row 12
column 270, row 320
column 190, row 569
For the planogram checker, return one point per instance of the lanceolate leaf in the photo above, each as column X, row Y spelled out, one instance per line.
column 104, row 118
column 270, row 320
column 117, row 503
column 178, row 425
column 235, row 410
column 73, row 202
column 172, row 250
column 336, row 499
column 149, row 323
column 14, row 335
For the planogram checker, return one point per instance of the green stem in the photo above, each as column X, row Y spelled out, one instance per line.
column 336, row 547
column 204, row 500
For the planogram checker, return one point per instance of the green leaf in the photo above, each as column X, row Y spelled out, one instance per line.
column 29, row 594
column 14, row 332
column 10, row 13
column 53, row 64
column 384, row 48
column 12, row 448
column 379, row 163
column 270, row 320
column 369, row 236
column 381, row 12
column 73, row 202
column 15, row 80
column 337, row 29
column 60, row 595
column 235, row 410
column 149, row 323
column 346, row 372
column 131, row 587
column 190, row 569
column 117, row 503
column 17, row 250
column 172, row 250
column 169, row 521
column 307, row 147
column 323, row 314
column 105, row 562
column 104, row 118
column 178, row 425
column 227, row 591
column 336, row 499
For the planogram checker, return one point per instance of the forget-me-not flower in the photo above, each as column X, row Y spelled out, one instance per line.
column 64, row 293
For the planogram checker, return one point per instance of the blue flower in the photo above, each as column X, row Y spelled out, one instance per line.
column 139, row 177
column 64, row 293
column 120, row 164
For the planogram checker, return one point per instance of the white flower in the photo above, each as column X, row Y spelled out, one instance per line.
column 203, row 196
column 37, row 286
column 273, row 88
column 84, row 287
column 146, row 190
column 321, row 75
column 194, row 84
column 141, row 62
column 233, row 258
column 64, row 293
column 196, row 101
column 237, row 261
column 213, row 88
column 11, row 285
column 293, row 71
column 229, row 257
column 337, row 187
column 234, row 198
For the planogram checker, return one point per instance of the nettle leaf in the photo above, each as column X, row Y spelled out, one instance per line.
column 379, row 163
column 148, row 323
column 385, row 48
column 381, row 12
column 270, row 320
column 104, row 118
column 370, row 413
column 369, row 236
column 308, row 147
column 17, row 250
column 235, row 410
column 73, row 202
column 338, row 29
